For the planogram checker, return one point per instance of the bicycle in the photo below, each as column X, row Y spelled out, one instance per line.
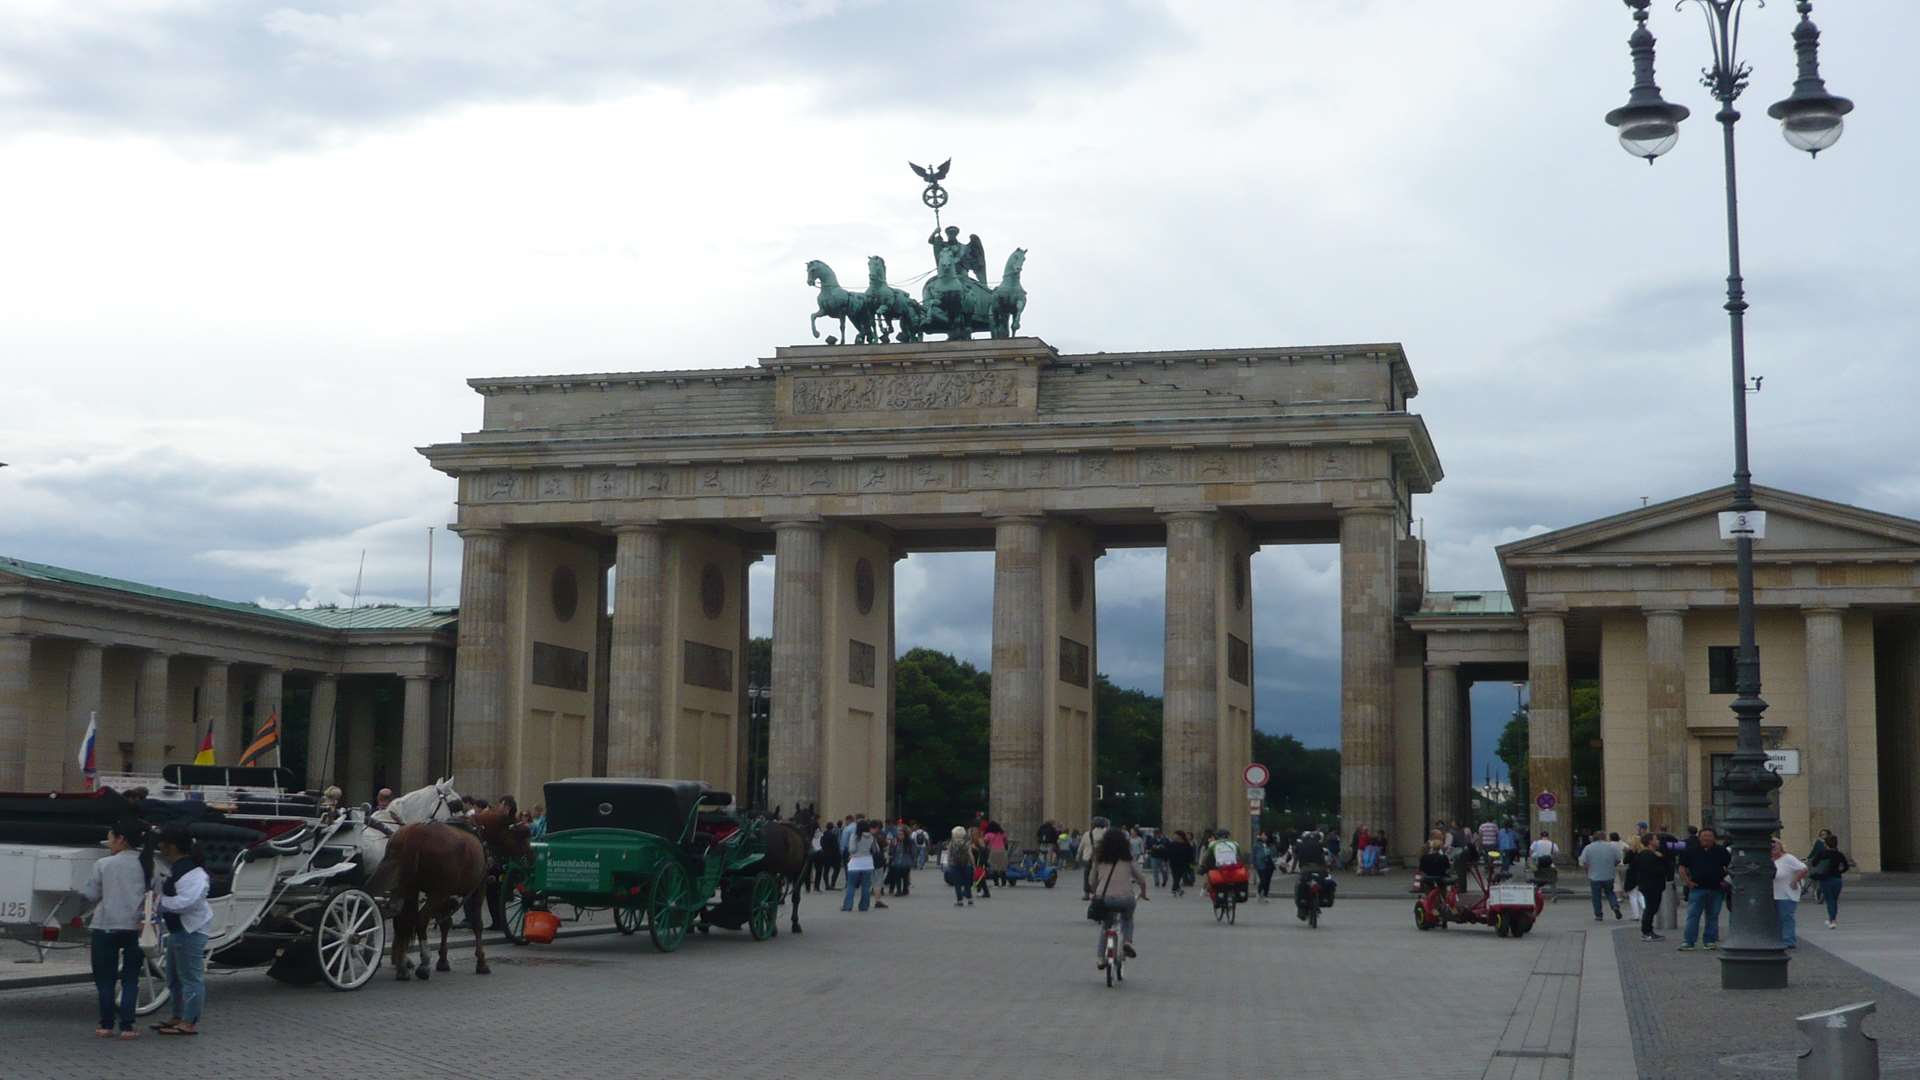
column 1110, row 947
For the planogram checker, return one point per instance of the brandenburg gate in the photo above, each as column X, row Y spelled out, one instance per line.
column 839, row 460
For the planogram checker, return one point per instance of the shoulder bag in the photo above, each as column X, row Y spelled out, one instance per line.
column 1097, row 907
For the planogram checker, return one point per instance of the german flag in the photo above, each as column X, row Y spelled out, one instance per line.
column 263, row 742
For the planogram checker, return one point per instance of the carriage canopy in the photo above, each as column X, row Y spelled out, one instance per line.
column 664, row 808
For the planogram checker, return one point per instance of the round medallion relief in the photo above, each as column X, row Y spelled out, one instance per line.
column 1239, row 586
column 713, row 591
column 863, row 586
column 1076, row 584
column 566, row 593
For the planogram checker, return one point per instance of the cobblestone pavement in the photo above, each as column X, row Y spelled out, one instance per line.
column 1004, row 989
column 1684, row 1025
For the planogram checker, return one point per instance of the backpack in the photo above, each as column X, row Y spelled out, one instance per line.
column 1308, row 849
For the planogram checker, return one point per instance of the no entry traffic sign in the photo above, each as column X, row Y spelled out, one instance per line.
column 1256, row 775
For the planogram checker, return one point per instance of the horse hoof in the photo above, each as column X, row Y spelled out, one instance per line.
column 481, row 968
column 401, row 974
column 441, row 966
column 796, row 928
column 422, row 972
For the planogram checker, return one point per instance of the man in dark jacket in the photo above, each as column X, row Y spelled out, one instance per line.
column 1703, row 871
column 1649, row 869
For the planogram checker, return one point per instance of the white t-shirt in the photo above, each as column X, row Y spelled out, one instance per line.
column 1784, row 869
column 1543, row 849
column 1226, row 853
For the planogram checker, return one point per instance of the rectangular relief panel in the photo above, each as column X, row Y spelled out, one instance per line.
column 994, row 395
column 706, row 666
column 559, row 667
column 1239, row 661
column 860, row 663
column 1074, row 663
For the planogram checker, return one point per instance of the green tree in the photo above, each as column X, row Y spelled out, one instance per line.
column 1304, row 788
column 941, row 719
column 1126, row 754
column 1512, row 749
column 1583, row 730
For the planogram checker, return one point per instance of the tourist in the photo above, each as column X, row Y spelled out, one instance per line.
column 1114, row 853
column 859, row 868
column 1265, row 859
column 1509, row 842
column 1331, row 847
column 1703, row 872
column 921, row 842
column 539, row 821
column 1363, row 847
column 1137, row 842
column 1489, row 836
column 1788, row 873
column 1649, row 869
column 1180, row 861
column 382, row 798
column 117, row 885
column 183, row 905
column 1157, row 858
column 1378, row 846
column 959, row 869
column 1435, row 868
column 977, row 839
column 1601, row 858
column 1826, row 867
column 996, row 840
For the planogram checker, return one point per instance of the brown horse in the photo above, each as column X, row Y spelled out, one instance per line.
column 432, row 869
column 788, row 852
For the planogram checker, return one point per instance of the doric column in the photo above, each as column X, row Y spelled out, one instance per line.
column 480, row 689
column 1016, row 778
column 1828, row 802
column 1367, row 569
column 1666, row 720
column 84, row 686
column 1549, row 743
column 636, row 730
column 268, row 691
column 795, row 731
column 1444, row 798
column 216, row 710
column 1190, row 720
column 321, row 725
column 360, row 746
column 150, row 714
column 415, row 767
column 16, row 669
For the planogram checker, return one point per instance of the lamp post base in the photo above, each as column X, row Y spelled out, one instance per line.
column 1752, row 969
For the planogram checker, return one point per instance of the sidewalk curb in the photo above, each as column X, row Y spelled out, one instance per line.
column 38, row 982
column 1603, row 1039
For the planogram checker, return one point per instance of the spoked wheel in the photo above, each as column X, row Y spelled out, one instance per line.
column 667, row 916
column 1233, row 911
column 153, row 983
column 516, row 899
column 1219, row 911
column 628, row 919
column 349, row 939
column 763, row 917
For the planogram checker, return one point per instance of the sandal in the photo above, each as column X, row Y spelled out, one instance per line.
column 131, row 1034
column 178, row 1031
column 103, row 1033
column 164, row 1024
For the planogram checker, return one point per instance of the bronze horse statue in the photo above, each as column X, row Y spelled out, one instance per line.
column 433, row 868
column 788, row 851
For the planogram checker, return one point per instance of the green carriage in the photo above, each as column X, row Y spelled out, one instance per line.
column 663, row 854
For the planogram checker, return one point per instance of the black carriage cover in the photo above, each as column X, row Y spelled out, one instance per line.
column 663, row 808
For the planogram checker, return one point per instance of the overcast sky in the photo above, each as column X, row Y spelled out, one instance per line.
column 250, row 251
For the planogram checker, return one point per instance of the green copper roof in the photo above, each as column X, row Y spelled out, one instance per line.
column 1466, row 603
column 366, row 618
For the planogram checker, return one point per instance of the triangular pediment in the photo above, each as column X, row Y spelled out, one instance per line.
column 1796, row 524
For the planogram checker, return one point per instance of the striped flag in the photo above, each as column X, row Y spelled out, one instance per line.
column 87, row 769
column 263, row 742
column 205, row 755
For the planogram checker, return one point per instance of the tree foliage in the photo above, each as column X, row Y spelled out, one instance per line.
column 1583, row 728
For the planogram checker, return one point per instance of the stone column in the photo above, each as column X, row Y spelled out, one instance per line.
column 796, row 728
column 1190, row 721
column 1549, row 742
column 268, row 690
column 360, row 745
column 636, row 730
column 480, row 688
column 1444, row 797
column 150, row 715
column 1016, row 779
column 322, row 766
column 1667, row 720
column 1367, row 580
column 216, row 711
column 84, row 686
column 16, row 669
column 415, row 734
column 1828, row 801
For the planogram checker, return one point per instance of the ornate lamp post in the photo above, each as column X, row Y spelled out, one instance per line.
column 1752, row 956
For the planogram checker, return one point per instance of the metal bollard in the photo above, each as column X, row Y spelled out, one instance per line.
column 1670, row 911
column 1840, row 1047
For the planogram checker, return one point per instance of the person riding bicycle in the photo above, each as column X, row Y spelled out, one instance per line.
column 1308, row 854
column 1106, row 883
column 1222, row 863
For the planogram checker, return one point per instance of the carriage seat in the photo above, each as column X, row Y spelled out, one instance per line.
column 220, row 848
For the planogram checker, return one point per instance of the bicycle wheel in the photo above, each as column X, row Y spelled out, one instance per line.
column 1313, row 913
column 1113, row 960
column 1233, row 910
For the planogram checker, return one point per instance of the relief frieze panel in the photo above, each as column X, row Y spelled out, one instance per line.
column 928, row 392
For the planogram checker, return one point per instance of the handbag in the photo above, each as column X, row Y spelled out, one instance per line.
column 1097, row 907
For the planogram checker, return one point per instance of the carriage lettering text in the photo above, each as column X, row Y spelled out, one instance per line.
column 931, row 392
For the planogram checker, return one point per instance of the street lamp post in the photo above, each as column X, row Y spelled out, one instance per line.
column 1812, row 120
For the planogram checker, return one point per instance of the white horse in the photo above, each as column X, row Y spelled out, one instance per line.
column 435, row 802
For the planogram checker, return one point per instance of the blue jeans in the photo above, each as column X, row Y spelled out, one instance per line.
column 1786, row 909
column 1366, row 859
column 187, row 974
column 1830, row 896
column 863, row 881
column 116, row 959
column 1698, row 900
column 1603, row 888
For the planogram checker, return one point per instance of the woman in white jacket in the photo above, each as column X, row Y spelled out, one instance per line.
column 182, row 902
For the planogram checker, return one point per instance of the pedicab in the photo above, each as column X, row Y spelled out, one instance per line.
column 1510, row 907
column 663, row 854
column 1032, row 867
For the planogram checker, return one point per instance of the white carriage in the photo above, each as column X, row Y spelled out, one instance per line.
column 289, row 873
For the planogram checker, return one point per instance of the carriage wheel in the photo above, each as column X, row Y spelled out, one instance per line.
column 763, row 917
column 349, row 939
column 667, row 914
column 627, row 919
column 516, row 899
column 153, row 983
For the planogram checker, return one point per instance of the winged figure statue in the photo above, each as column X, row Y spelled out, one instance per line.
column 932, row 174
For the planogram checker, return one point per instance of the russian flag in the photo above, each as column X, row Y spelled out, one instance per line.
column 87, row 768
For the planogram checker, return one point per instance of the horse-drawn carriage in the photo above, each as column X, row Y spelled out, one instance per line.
column 663, row 854
column 288, row 876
